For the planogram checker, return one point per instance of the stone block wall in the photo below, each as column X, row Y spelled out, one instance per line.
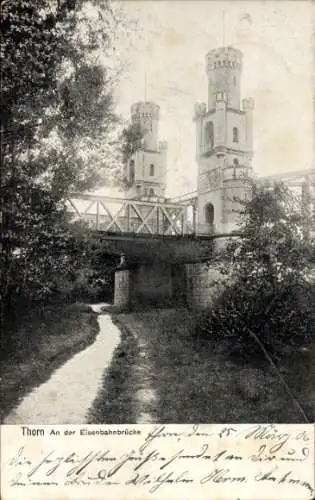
column 193, row 285
column 204, row 285
column 122, row 288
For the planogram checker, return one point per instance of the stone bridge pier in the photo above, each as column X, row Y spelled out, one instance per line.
column 192, row 285
column 139, row 286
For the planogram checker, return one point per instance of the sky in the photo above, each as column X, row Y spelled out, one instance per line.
column 170, row 46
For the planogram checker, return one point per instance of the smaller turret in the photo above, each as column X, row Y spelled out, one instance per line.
column 146, row 169
column 147, row 115
column 200, row 109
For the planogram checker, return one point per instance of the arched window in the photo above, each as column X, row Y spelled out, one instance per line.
column 235, row 163
column 151, row 192
column 132, row 170
column 209, row 213
column 209, row 134
column 235, row 134
column 151, row 170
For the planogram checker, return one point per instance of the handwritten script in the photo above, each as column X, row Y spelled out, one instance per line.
column 163, row 462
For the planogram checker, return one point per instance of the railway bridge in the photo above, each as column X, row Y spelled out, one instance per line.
column 164, row 252
column 164, row 243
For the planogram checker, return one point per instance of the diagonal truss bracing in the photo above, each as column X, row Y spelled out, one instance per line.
column 115, row 215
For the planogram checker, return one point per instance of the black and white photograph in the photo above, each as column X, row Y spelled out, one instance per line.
column 157, row 212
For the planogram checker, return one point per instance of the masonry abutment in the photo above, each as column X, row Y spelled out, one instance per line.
column 150, row 285
column 122, row 291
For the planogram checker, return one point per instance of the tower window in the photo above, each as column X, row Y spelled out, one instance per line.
column 235, row 134
column 151, row 192
column 236, row 164
column 209, row 213
column 132, row 170
column 151, row 170
column 209, row 134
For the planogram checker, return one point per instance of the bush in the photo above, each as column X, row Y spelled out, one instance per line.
column 269, row 294
column 282, row 322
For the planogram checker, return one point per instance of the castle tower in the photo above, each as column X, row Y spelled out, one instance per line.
column 146, row 170
column 224, row 142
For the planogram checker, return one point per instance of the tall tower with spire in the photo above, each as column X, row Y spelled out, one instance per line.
column 146, row 169
column 224, row 142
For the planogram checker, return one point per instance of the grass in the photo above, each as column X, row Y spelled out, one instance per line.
column 115, row 402
column 41, row 344
column 298, row 370
column 198, row 381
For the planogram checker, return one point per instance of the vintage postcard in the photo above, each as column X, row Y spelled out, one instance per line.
column 158, row 249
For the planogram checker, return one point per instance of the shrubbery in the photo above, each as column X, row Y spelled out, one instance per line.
column 57, row 126
column 271, row 293
column 289, row 322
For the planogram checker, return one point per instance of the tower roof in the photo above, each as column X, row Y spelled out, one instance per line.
column 224, row 57
column 228, row 50
column 144, row 105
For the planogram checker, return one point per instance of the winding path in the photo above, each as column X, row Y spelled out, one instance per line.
column 67, row 396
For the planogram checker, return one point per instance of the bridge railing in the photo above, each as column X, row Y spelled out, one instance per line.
column 115, row 215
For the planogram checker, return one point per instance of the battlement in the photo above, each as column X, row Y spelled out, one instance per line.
column 224, row 57
column 200, row 109
column 162, row 145
column 145, row 110
column 248, row 104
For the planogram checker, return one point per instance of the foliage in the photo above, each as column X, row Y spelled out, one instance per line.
column 58, row 79
column 272, row 248
column 131, row 141
column 270, row 291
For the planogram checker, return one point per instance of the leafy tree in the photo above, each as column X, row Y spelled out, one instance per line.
column 272, row 247
column 271, row 292
column 131, row 141
column 57, row 107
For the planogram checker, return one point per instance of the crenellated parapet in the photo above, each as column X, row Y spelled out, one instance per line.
column 248, row 104
column 200, row 110
column 224, row 57
column 162, row 145
column 145, row 110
